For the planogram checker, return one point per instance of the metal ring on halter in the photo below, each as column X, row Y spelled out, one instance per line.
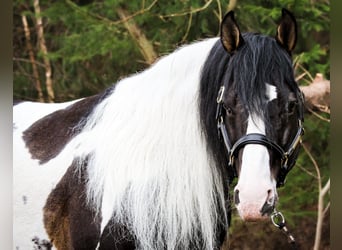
column 278, row 219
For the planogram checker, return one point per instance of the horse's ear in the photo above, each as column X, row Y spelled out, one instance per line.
column 287, row 31
column 230, row 33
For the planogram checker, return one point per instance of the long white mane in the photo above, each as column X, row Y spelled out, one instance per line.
column 147, row 159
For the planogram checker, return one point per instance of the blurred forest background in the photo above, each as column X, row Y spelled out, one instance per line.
column 63, row 50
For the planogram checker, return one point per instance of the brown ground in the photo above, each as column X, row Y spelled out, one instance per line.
column 265, row 236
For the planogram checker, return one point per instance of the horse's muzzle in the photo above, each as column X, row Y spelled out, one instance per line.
column 255, row 210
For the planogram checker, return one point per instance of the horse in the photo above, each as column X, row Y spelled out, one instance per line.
column 148, row 162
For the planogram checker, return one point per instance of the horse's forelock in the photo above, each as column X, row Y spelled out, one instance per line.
column 259, row 62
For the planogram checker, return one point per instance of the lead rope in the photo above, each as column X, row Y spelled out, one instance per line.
column 278, row 220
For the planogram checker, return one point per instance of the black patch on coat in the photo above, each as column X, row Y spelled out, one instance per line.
column 116, row 236
column 69, row 221
column 119, row 237
column 46, row 138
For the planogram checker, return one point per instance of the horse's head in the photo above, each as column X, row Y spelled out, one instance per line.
column 259, row 113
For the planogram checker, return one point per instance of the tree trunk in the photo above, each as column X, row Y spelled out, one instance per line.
column 145, row 46
column 42, row 45
column 32, row 60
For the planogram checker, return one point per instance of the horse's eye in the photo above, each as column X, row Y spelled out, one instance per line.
column 229, row 110
column 292, row 107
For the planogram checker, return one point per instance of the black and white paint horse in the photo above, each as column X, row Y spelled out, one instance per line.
column 147, row 163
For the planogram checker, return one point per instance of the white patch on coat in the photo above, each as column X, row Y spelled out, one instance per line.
column 256, row 183
column 271, row 92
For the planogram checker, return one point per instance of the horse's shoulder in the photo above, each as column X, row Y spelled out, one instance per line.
column 69, row 221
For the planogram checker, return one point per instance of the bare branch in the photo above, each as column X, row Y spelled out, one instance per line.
column 326, row 188
column 109, row 21
column 318, row 115
column 187, row 28
column 28, row 61
column 188, row 12
column 298, row 65
column 306, row 171
column 326, row 208
column 321, row 194
column 307, row 151
column 232, row 5
column 136, row 13
column 301, row 76
column 218, row 15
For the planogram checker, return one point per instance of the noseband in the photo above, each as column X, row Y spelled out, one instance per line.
column 287, row 156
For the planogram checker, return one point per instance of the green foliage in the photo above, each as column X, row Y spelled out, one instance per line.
column 317, row 58
column 92, row 34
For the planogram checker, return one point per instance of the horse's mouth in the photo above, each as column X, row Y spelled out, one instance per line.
column 252, row 212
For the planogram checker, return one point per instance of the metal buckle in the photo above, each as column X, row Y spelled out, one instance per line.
column 285, row 159
column 220, row 95
column 231, row 159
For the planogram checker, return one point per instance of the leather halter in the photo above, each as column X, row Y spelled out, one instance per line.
column 287, row 156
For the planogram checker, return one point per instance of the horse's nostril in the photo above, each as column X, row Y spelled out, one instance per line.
column 267, row 208
column 270, row 197
column 236, row 197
